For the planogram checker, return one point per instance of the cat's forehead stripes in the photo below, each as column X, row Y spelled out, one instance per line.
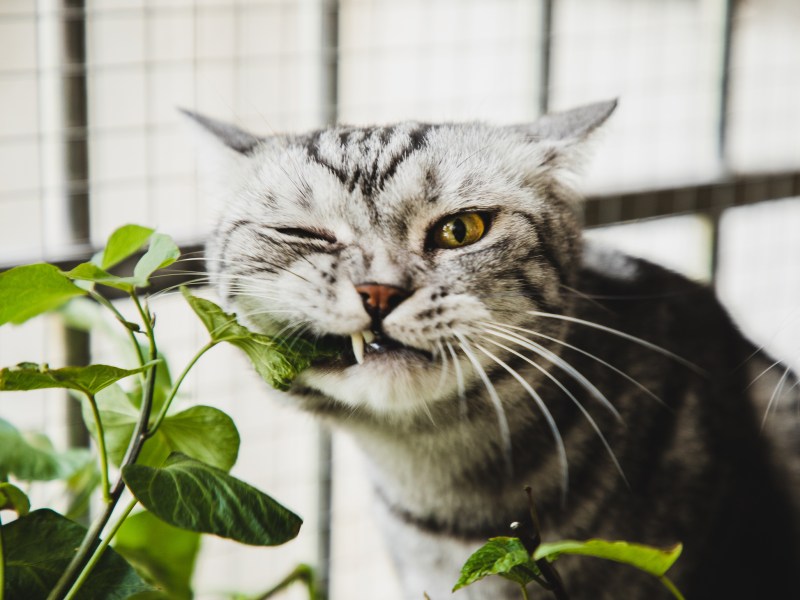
column 366, row 158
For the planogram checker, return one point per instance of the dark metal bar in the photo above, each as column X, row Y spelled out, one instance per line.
column 76, row 117
column 546, row 49
column 725, row 77
column 709, row 197
column 75, row 121
column 329, row 42
column 330, row 116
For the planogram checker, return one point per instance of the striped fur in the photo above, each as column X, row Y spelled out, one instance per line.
column 507, row 366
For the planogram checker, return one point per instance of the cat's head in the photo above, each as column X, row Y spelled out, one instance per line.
column 399, row 244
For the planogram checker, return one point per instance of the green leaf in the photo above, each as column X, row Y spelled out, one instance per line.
column 38, row 548
column 187, row 431
column 13, row 498
column 31, row 290
column 163, row 554
column 277, row 361
column 91, row 272
column 162, row 253
column 504, row 556
column 32, row 457
column 90, row 380
column 192, row 495
column 124, row 242
column 655, row 561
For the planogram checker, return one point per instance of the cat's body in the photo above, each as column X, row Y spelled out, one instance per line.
column 499, row 362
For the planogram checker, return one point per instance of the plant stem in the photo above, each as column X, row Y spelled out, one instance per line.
column 524, row 592
column 110, row 306
column 548, row 570
column 163, row 412
column 98, row 552
column 303, row 573
column 671, row 587
column 92, row 537
column 140, row 434
column 2, row 563
column 101, row 447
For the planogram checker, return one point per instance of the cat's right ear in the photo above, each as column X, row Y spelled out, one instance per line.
column 222, row 153
column 229, row 135
column 572, row 125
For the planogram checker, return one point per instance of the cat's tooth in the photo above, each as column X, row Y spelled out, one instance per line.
column 358, row 346
column 369, row 337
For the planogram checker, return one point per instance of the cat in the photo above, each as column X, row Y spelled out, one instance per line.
column 486, row 346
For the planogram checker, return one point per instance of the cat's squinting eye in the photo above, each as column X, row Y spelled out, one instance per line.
column 459, row 230
column 307, row 234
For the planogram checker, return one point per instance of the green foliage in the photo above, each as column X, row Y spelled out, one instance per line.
column 169, row 564
column 655, row 561
column 13, row 498
column 508, row 558
column 161, row 253
column 187, row 431
column 276, row 361
column 123, row 243
column 165, row 456
column 504, row 556
column 195, row 496
column 89, row 380
column 38, row 548
column 92, row 273
column 31, row 290
column 31, row 457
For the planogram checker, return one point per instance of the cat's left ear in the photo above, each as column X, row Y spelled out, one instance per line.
column 572, row 125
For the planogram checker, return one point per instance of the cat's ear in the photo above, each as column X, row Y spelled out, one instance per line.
column 572, row 125
column 223, row 156
column 228, row 135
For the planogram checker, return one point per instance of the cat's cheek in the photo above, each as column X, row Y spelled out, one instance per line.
column 421, row 324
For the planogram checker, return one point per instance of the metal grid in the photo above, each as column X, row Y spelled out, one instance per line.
column 709, row 121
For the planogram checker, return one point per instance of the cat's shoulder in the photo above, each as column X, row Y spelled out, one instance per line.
column 604, row 268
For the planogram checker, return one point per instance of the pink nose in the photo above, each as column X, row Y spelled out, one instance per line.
column 379, row 300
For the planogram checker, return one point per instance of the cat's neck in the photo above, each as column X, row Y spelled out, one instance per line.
column 451, row 473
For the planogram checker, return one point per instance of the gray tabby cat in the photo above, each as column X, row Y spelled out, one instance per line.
column 485, row 347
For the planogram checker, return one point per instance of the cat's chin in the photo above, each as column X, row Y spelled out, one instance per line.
column 393, row 383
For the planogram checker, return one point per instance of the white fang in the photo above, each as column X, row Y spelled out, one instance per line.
column 358, row 346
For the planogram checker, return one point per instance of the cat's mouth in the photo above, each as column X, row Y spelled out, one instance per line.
column 362, row 346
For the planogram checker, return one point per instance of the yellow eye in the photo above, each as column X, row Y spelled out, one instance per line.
column 459, row 230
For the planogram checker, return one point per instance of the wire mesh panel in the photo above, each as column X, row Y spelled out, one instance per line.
column 91, row 138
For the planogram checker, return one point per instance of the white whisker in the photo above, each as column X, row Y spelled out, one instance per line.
column 502, row 421
column 622, row 334
column 562, row 452
column 775, row 395
column 559, row 362
column 585, row 353
column 572, row 397
column 462, row 393
column 445, row 368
